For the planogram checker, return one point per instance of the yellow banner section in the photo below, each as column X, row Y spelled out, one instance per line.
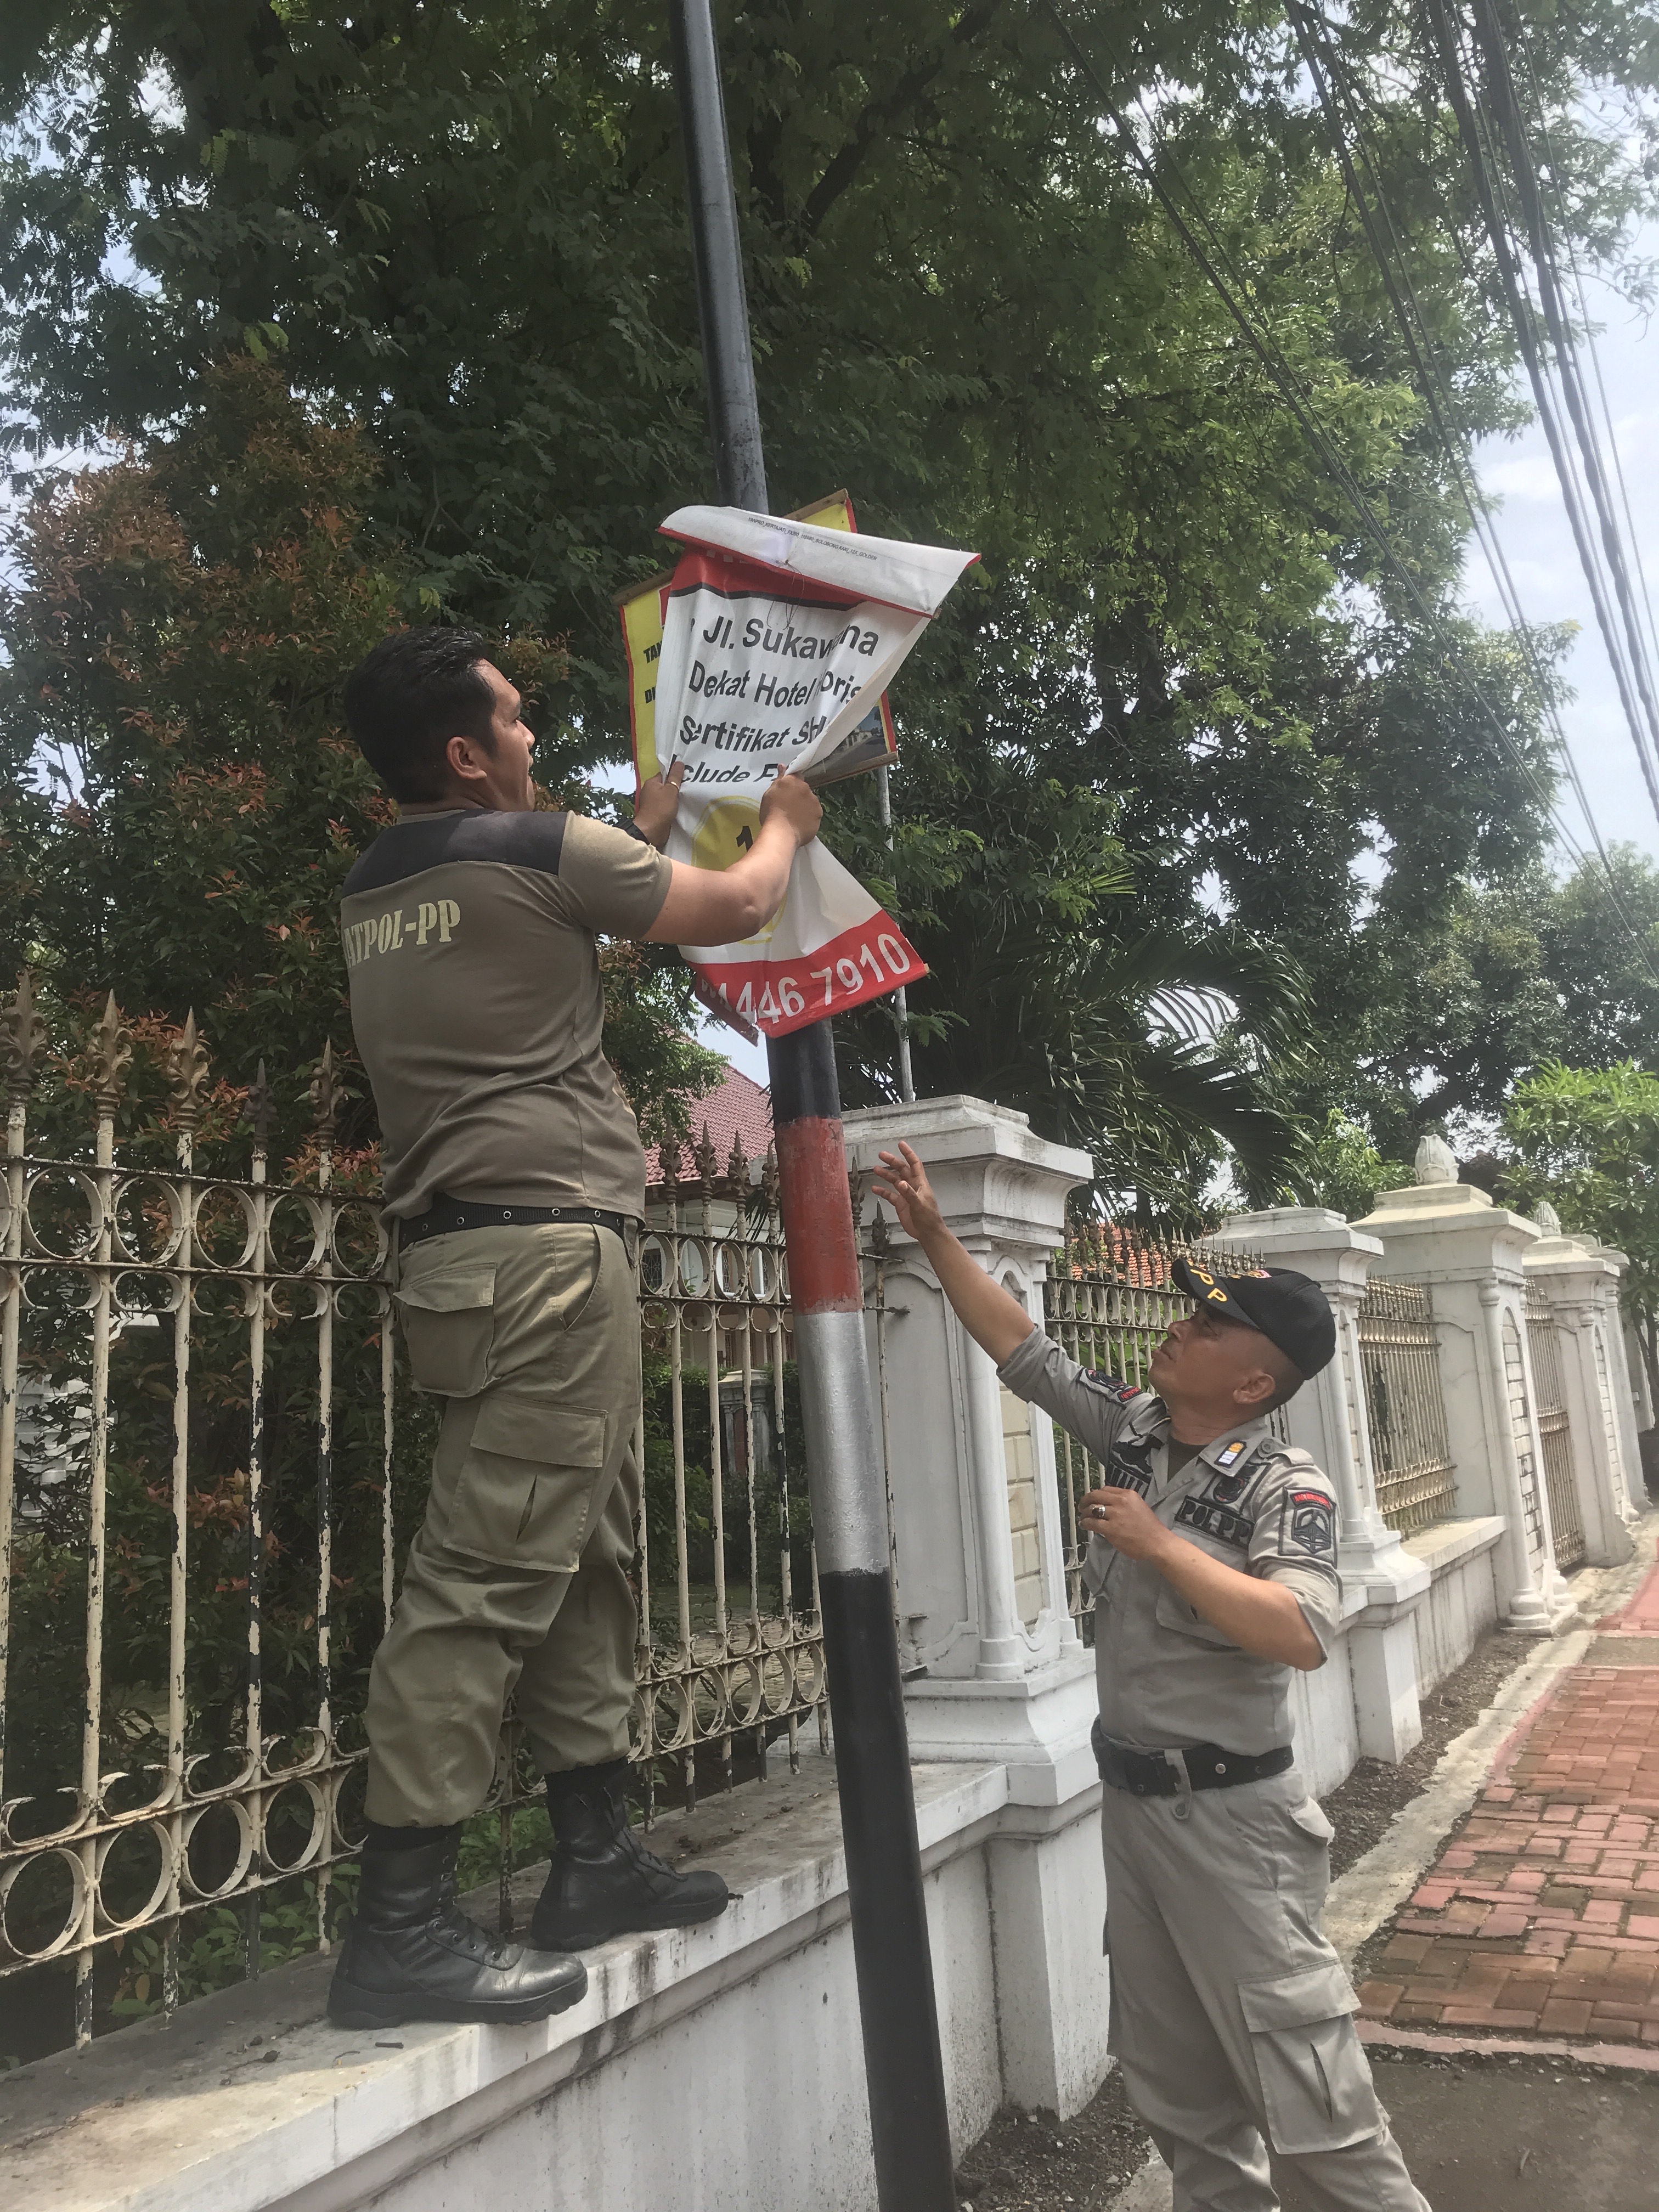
column 642, row 607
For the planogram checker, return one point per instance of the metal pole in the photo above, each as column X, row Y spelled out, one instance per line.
column 901, row 1002
column 908, row 2122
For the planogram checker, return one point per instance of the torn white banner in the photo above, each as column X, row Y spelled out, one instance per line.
column 776, row 638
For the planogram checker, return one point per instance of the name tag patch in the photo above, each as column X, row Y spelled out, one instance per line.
column 1219, row 1521
column 1312, row 1522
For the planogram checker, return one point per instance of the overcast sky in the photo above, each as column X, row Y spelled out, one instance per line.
column 1538, row 541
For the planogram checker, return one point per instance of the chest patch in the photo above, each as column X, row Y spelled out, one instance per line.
column 1219, row 1521
column 1129, row 1466
column 1225, row 1488
column 1310, row 1522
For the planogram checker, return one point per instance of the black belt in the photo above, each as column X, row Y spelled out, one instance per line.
column 1151, row 1774
column 445, row 1217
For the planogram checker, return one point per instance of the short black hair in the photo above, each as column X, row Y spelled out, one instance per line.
column 1287, row 1376
column 404, row 702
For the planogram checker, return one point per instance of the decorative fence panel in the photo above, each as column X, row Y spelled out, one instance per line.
column 211, row 1462
column 1554, row 1436
column 1399, row 1357
column 1109, row 1298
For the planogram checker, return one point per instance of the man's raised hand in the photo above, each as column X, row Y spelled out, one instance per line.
column 903, row 1184
column 658, row 802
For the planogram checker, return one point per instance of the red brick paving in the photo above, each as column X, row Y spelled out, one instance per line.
column 1542, row 1917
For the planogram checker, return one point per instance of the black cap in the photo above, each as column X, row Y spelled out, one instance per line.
column 1289, row 1309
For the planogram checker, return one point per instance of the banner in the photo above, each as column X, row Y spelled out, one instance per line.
column 773, row 638
column 872, row 743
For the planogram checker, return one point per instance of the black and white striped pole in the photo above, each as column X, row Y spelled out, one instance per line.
column 909, row 2124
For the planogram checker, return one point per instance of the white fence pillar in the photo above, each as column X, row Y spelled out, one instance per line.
column 996, row 1670
column 1629, row 1384
column 1572, row 1279
column 1469, row 1252
column 1328, row 1420
column 975, row 1499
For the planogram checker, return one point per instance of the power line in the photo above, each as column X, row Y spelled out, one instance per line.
column 1294, row 395
column 1631, row 676
column 1344, row 113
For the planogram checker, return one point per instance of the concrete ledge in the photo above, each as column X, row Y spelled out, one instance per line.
column 1445, row 1544
column 253, row 2098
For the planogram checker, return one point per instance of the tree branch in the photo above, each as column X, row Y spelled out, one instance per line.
column 881, row 114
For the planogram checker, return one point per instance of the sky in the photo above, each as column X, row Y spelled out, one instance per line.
column 1532, row 523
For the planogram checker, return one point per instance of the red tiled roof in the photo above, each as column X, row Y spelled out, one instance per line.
column 736, row 1107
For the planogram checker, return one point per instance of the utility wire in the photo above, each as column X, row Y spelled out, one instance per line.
column 1284, row 376
column 1564, row 343
column 1344, row 115
column 1564, row 229
column 1640, row 712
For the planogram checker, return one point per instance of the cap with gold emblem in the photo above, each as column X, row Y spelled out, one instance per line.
column 1289, row 1309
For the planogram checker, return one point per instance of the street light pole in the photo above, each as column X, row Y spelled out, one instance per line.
column 909, row 2124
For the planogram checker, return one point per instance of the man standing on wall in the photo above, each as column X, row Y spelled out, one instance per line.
column 513, row 1171
column 1213, row 1563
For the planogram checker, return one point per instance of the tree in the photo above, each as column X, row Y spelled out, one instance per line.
column 1141, row 1038
column 468, row 226
column 174, row 645
column 1588, row 1140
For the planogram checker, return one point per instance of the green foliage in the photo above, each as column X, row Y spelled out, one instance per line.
column 1588, row 1140
column 467, row 227
column 1342, row 1168
column 174, row 647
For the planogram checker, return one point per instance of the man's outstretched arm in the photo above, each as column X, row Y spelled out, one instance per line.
column 999, row 1324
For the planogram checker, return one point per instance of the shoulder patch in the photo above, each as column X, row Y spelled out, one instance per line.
column 1310, row 1523
column 1129, row 1465
column 1114, row 1387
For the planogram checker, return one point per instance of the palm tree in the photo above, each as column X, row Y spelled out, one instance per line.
column 1156, row 1043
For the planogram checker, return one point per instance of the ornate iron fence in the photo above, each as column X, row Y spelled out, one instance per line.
column 210, row 1459
column 1399, row 1359
column 1554, row 1437
column 1110, row 1296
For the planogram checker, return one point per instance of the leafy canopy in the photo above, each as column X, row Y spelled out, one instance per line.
column 467, row 228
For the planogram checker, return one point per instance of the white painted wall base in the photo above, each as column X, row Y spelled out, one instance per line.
column 716, row 2069
column 1462, row 1601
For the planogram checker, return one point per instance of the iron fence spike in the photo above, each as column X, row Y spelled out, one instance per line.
column 112, row 1054
column 24, row 1033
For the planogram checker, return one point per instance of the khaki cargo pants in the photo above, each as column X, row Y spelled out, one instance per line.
column 1231, row 2015
column 517, row 1580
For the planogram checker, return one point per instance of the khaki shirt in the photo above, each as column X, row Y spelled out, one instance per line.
column 1167, row 1679
column 477, row 1006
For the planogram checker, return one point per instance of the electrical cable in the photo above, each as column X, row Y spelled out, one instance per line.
column 1279, row 368
column 1343, row 113
column 1564, row 229
column 1629, row 681
column 1563, row 342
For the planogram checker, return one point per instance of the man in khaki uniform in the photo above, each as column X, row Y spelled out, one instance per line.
column 513, row 1168
column 1212, row 1562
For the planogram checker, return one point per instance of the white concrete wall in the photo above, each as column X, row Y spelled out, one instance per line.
column 719, row 2068
column 1462, row 1601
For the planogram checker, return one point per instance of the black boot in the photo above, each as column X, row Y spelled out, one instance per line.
column 413, row 1954
column 603, row 1881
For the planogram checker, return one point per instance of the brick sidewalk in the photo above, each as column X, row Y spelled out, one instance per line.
column 1542, row 1917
